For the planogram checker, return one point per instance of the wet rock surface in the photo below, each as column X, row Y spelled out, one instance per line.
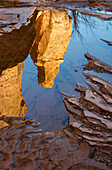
column 86, row 141
column 96, row 64
column 17, row 3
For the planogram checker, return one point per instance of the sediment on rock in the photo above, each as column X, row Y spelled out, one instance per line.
column 23, row 146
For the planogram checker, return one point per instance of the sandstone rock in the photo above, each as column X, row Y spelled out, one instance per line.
column 15, row 45
column 96, row 64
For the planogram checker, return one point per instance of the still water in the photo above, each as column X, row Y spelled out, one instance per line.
column 62, row 38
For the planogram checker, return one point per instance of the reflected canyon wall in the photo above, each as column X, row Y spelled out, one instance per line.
column 53, row 32
column 11, row 99
column 14, row 48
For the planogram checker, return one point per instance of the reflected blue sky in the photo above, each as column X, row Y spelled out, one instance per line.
column 45, row 105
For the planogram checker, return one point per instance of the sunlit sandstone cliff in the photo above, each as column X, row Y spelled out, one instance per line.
column 53, row 32
column 11, row 99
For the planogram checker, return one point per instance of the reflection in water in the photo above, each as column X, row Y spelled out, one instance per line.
column 11, row 99
column 45, row 104
column 53, row 32
column 85, row 143
column 87, row 21
column 77, row 19
column 14, row 48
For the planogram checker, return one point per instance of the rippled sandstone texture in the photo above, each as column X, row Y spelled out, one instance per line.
column 53, row 32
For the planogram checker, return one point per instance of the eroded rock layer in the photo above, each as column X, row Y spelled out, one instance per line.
column 92, row 114
column 57, row 4
column 96, row 64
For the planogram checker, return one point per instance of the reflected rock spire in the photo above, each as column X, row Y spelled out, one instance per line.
column 53, row 32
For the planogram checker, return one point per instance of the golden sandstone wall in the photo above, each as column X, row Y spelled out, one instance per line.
column 53, row 32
